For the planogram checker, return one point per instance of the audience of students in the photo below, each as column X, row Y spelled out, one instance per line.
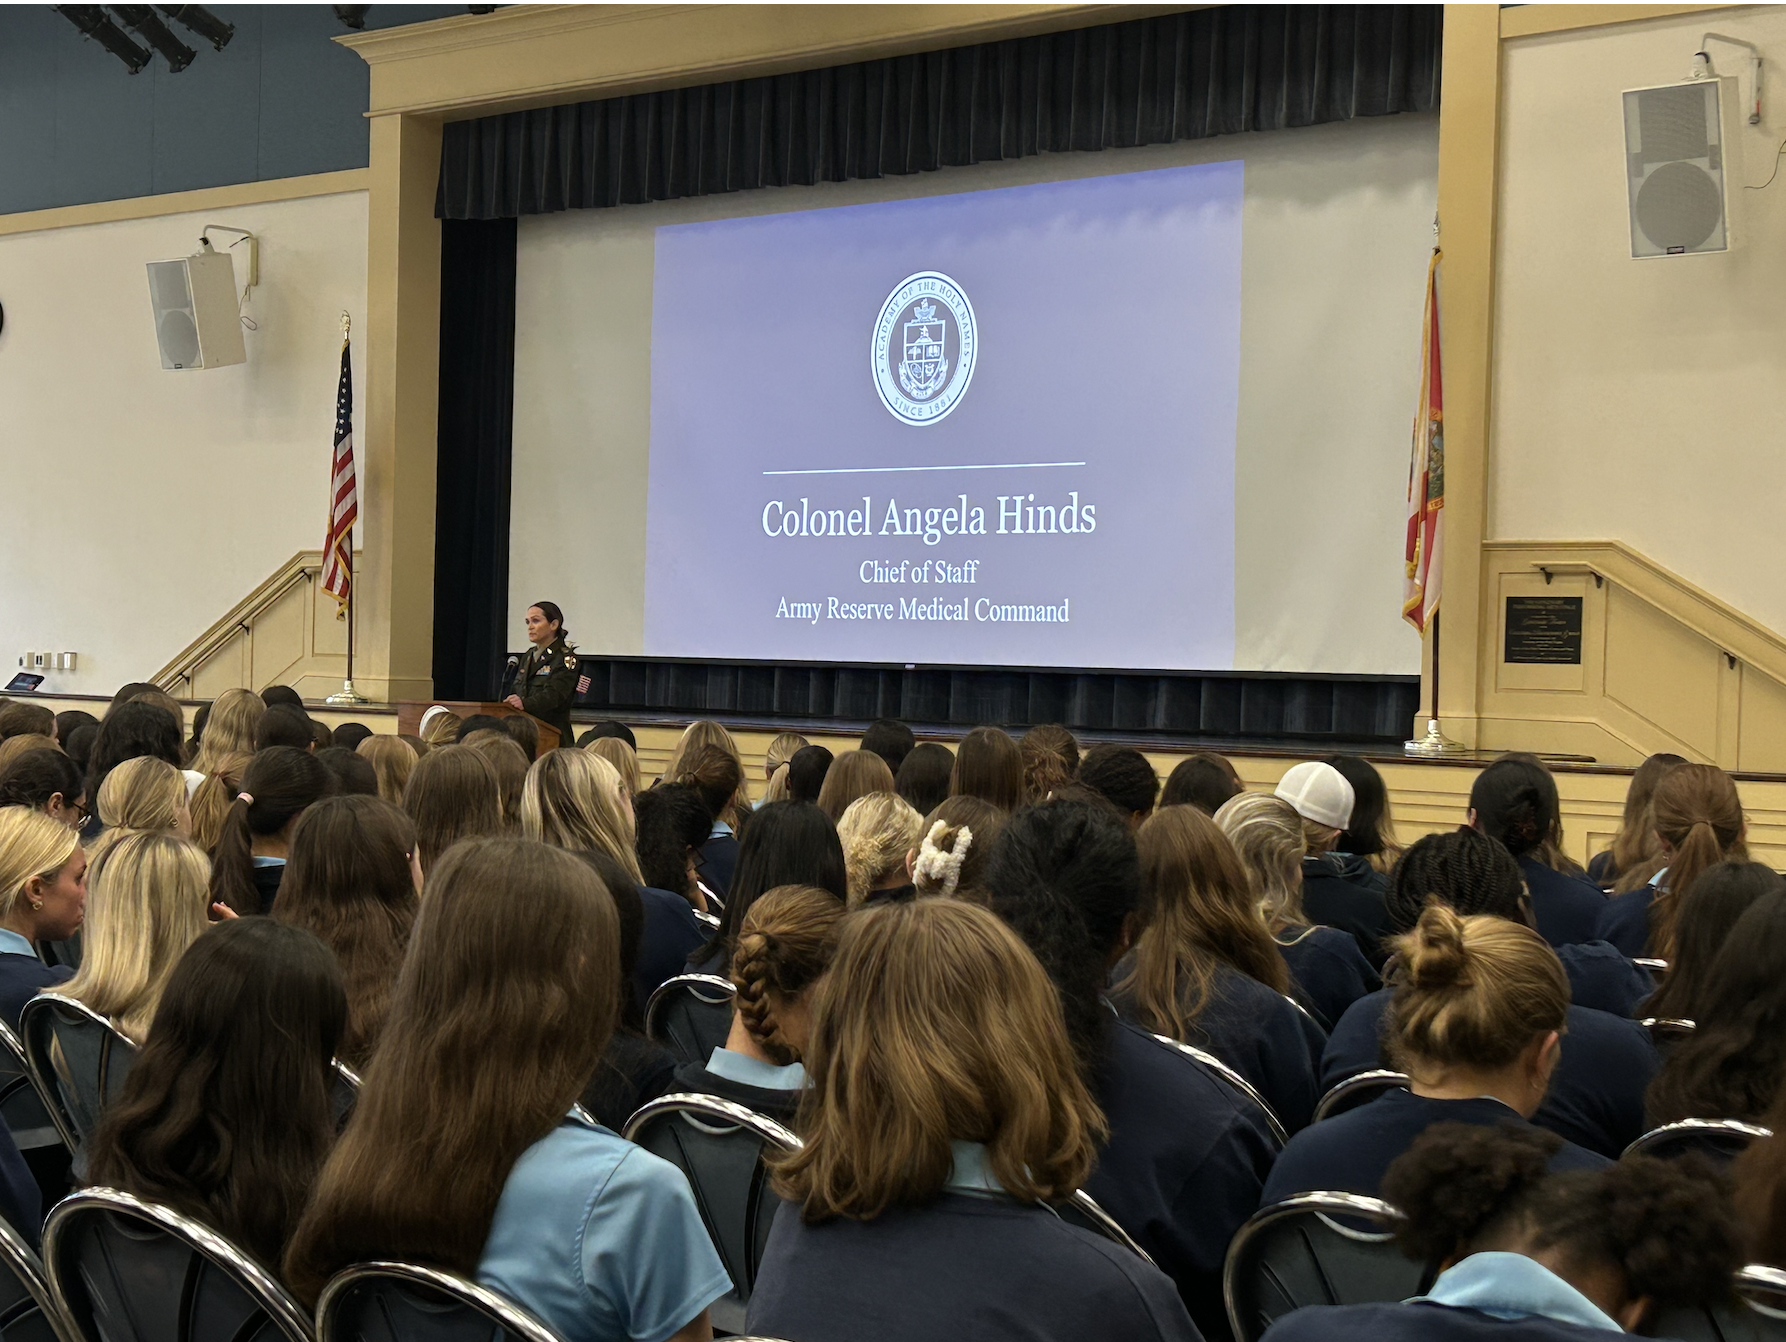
column 880, row 834
column 1202, row 780
column 923, row 777
column 1050, row 756
column 989, row 766
column 786, row 843
column 248, row 864
column 670, row 823
column 1338, row 889
column 130, row 730
column 952, row 857
column 1635, row 844
column 807, row 770
column 717, row 776
column 1123, row 777
column 1370, row 834
column 891, row 740
column 213, row 797
column 229, row 729
column 624, row 759
column 15, row 748
column 696, row 738
column 1708, row 909
column 21, row 719
column 947, row 1112
column 780, row 751
column 1515, row 801
column 508, row 762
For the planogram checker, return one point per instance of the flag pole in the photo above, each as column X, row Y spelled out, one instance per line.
column 1435, row 742
column 348, row 694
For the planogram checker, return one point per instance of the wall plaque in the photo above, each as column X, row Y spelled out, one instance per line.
column 1543, row 629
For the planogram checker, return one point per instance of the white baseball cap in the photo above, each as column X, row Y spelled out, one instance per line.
column 1319, row 792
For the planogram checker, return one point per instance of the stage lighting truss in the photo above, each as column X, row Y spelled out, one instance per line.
column 144, row 22
column 95, row 23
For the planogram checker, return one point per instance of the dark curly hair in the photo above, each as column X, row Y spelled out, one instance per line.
column 1065, row 875
column 668, row 820
column 1466, row 870
column 1122, row 774
column 1666, row 1226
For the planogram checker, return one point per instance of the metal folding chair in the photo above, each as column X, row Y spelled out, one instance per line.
column 125, row 1270
column 690, row 1016
column 1666, row 1029
column 720, row 1147
column 1083, row 1211
column 21, row 1104
column 77, row 1058
column 1308, row 1250
column 1233, row 1079
column 1357, row 1090
column 28, row 1311
column 404, row 1302
column 1719, row 1138
column 1756, row 1313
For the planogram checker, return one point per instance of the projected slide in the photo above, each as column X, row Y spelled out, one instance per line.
column 991, row 428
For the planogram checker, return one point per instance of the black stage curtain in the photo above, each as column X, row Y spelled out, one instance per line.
column 476, row 449
column 1146, row 81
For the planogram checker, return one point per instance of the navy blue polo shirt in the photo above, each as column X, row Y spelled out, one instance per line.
column 1602, row 977
column 1566, row 908
column 1350, row 1152
column 669, row 933
column 717, row 859
column 23, row 975
column 1344, row 891
column 1182, row 1169
column 1422, row 1321
column 1596, row 1092
column 1328, row 972
column 1625, row 921
column 1262, row 1035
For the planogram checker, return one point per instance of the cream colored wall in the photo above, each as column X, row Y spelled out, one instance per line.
column 1640, row 401
column 136, row 504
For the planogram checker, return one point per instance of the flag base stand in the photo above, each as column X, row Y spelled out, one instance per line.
column 348, row 695
column 1435, row 742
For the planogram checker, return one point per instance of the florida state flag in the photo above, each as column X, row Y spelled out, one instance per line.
column 1426, row 473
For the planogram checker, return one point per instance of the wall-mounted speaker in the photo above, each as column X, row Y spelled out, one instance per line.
column 198, row 321
column 1676, row 160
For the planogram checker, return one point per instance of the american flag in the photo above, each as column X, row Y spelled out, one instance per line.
column 344, row 496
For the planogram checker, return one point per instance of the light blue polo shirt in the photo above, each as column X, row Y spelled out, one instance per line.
column 601, row 1240
column 1512, row 1286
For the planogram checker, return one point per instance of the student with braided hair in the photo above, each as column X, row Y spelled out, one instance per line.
column 787, row 941
column 951, row 859
column 1527, row 1255
column 1596, row 1096
column 879, row 834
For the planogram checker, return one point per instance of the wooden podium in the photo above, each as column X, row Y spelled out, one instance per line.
column 409, row 717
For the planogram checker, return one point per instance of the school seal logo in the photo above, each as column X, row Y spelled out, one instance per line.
column 924, row 346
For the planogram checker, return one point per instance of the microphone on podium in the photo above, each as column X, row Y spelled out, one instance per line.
column 508, row 675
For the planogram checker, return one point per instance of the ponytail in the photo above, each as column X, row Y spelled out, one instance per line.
column 876, row 831
column 1699, row 815
column 1458, row 1181
column 787, row 941
column 278, row 784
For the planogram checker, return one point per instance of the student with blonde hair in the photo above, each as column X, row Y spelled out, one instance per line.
column 149, row 899
column 440, row 726
column 43, row 897
column 622, row 756
column 781, row 750
column 142, row 796
column 1205, row 969
column 574, row 800
column 393, row 760
column 509, row 762
column 1327, row 970
column 879, row 833
column 229, row 729
column 789, row 937
column 946, row 1114
column 1476, row 1021
column 1635, row 845
column 853, row 774
column 212, row 799
column 695, row 738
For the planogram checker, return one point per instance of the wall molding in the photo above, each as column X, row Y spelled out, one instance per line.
column 186, row 202
column 1532, row 20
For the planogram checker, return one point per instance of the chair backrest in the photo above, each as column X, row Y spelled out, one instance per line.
column 720, row 1147
column 1232, row 1078
column 1357, row 1090
column 28, row 1310
column 125, row 1270
column 706, row 920
column 1083, row 1211
column 1308, row 1250
column 1756, row 1313
column 1658, row 968
column 1666, row 1029
column 1719, row 1138
column 344, row 1092
column 403, row 1302
column 690, row 1016
column 77, row 1059
column 22, row 1107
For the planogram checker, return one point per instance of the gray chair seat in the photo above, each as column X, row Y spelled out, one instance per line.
column 690, row 1016
column 404, row 1302
column 1314, row 1249
column 125, row 1270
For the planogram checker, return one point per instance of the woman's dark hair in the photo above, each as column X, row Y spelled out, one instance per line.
column 126, row 693
column 715, row 775
column 79, row 743
column 1708, row 909
column 36, row 776
column 608, row 727
column 1066, row 875
column 668, row 820
column 1201, row 780
column 200, row 716
column 550, row 610
column 923, row 777
column 1363, row 835
column 989, row 766
column 785, row 843
column 348, row 881
column 806, row 773
column 889, row 739
column 350, row 734
column 1513, row 804
column 1732, row 1065
column 226, row 1115
column 630, row 909
column 71, row 720
column 354, row 774
column 282, row 725
column 18, row 719
column 1123, row 776
column 275, row 695
column 1466, row 870
column 130, row 730
column 1665, row 1226
column 278, row 784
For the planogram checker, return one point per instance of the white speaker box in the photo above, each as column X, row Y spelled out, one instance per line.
column 1677, row 157
column 198, row 322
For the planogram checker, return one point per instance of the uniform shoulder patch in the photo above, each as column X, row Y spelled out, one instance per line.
column 570, row 662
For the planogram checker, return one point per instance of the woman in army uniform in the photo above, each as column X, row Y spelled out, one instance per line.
column 545, row 682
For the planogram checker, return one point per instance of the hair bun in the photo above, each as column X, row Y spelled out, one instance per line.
column 1436, row 957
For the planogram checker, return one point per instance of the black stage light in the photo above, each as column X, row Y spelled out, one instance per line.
column 157, row 34
column 352, row 16
column 95, row 23
column 203, row 22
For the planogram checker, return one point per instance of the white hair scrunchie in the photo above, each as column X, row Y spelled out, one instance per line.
column 937, row 868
